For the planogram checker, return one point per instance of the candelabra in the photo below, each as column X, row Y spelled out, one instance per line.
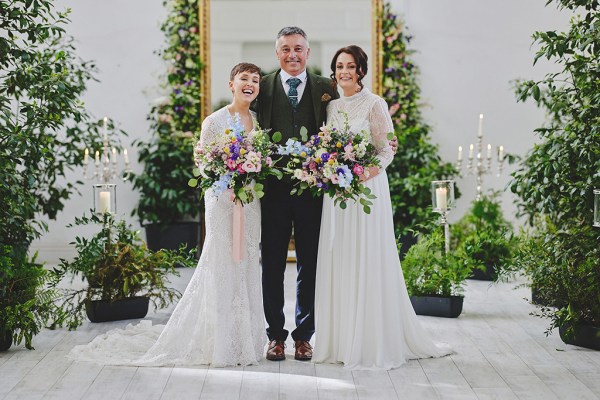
column 597, row 208
column 442, row 199
column 105, row 169
column 477, row 165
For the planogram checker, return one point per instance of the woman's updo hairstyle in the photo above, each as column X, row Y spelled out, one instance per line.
column 360, row 58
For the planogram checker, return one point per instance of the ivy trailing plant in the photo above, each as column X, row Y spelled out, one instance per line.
column 43, row 129
column 555, row 181
column 417, row 162
column 175, row 122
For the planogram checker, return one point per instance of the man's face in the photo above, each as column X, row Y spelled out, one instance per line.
column 292, row 52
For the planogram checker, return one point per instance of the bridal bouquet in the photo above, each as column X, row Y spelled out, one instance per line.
column 332, row 162
column 236, row 160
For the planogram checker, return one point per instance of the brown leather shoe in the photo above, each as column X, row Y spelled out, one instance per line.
column 303, row 350
column 276, row 350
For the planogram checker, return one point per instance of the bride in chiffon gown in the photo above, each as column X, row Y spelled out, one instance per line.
column 363, row 315
column 219, row 319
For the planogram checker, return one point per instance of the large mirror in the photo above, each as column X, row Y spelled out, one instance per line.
column 241, row 30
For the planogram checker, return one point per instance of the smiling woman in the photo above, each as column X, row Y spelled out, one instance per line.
column 235, row 30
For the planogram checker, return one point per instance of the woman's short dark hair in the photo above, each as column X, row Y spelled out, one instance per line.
column 360, row 58
column 244, row 67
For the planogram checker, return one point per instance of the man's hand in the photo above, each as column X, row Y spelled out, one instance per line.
column 394, row 144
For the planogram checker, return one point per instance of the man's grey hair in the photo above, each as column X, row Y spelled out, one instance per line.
column 291, row 30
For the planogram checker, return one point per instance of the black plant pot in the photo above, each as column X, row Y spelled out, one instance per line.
column 5, row 339
column 587, row 336
column 438, row 306
column 172, row 236
column 129, row 308
column 487, row 275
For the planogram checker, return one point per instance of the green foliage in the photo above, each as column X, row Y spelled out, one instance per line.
column 556, row 178
column 485, row 237
column 43, row 130
column 116, row 264
column 26, row 303
column 428, row 271
column 417, row 162
column 168, row 156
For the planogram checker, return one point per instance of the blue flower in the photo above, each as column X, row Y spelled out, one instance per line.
column 344, row 176
column 292, row 147
column 221, row 185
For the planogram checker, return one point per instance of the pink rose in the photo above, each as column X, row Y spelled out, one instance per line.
column 249, row 167
column 240, row 168
column 358, row 169
column 231, row 164
column 334, row 179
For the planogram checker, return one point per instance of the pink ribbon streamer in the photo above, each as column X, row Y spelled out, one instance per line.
column 238, row 232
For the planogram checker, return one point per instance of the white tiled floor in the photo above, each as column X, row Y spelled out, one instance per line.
column 501, row 353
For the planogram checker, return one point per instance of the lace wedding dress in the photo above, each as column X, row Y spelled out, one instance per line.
column 363, row 315
column 219, row 320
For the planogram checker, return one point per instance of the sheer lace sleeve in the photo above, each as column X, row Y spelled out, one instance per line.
column 209, row 130
column 381, row 124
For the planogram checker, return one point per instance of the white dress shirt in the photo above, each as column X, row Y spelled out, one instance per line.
column 286, row 87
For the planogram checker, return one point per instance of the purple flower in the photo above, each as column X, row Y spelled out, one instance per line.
column 325, row 157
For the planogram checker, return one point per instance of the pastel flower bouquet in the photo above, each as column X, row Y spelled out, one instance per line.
column 332, row 161
column 236, row 160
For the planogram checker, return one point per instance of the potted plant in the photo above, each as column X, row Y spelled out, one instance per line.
column 485, row 238
column 555, row 180
column 434, row 280
column 26, row 302
column 122, row 275
column 417, row 161
column 168, row 208
column 44, row 130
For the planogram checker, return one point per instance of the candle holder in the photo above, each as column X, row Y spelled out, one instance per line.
column 478, row 165
column 105, row 164
column 597, row 208
column 105, row 198
column 442, row 200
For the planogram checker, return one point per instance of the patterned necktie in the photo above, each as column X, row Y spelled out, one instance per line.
column 293, row 92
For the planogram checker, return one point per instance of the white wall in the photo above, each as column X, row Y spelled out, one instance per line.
column 468, row 52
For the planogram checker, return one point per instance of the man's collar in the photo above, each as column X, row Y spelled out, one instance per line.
column 285, row 76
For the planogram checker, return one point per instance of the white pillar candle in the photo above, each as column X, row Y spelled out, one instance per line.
column 104, row 202
column 114, row 155
column 500, row 153
column 441, row 198
column 86, row 154
column 471, row 151
column 480, row 130
column 97, row 158
column 489, row 151
column 126, row 156
column 460, row 155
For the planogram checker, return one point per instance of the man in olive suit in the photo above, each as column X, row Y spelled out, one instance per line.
column 289, row 99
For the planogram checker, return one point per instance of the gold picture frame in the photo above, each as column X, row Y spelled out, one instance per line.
column 205, row 73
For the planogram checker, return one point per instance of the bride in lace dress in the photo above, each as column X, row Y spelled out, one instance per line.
column 219, row 319
column 363, row 316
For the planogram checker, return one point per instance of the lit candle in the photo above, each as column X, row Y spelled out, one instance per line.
column 489, row 151
column 105, row 129
column 460, row 156
column 97, row 158
column 114, row 155
column 471, row 151
column 441, row 198
column 500, row 153
column 104, row 202
column 86, row 154
column 479, row 155
column 480, row 130
column 126, row 156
